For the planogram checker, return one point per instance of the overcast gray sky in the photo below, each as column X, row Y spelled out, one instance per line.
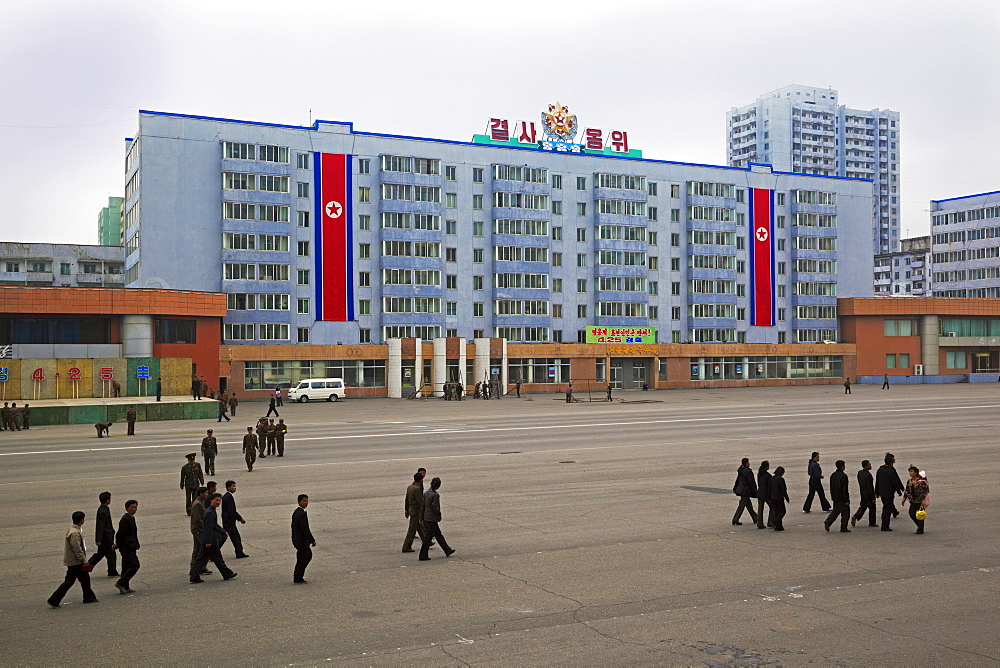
column 75, row 74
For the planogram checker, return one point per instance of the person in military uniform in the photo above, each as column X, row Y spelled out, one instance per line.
column 197, row 522
column 209, row 449
column 130, row 418
column 191, row 479
column 262, row 437
column 280, row 430
column 103, row 428
column 116, row 389
column 272, row 442
column 233, row 403
column 26, row 414
column 5, row 416
column 250, row 448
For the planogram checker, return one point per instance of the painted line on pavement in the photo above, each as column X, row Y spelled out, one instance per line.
column 480, row 430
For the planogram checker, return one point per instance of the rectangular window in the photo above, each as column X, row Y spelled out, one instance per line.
column 238, row 272
column 581, row 208
column 303, row 191
column 238, row 241
column 477, row 309
column 581, row 310
column 477, row 255
column 272, row 213
column 581, row 285
column 581, row 183
column 364, row 307
column 451, row 255
column 238, row 331
column 302, row 277
column 364, row 222
column 451, row 200
column 556, row 208
column 556, row 285
column 303, row 249
column 364, row 166
column 238, row 211
column 302, row 218
column 302, row 306
column 581, row 259
column 477, row 174
column 267, row 153
column 272, row 332
column 477, row 228
column 557, row 259
column 302, row 335
column 557, row 181
column 890, row 361
column 955, row 360
column 451, row 282
column 175, row 331
column 272, row 272
column 477, row 282
column 237, row 181
column 451, row 227
column 477, row 202
column 449, row 173
column 364, row 194
column 581, row 235
column 364, row 251
column 237, row 151
column 272, row 184
column 272, row 242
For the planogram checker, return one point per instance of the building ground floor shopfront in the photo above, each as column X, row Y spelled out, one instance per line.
column 413, row 367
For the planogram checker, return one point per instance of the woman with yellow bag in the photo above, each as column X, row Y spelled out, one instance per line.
column 918, row 493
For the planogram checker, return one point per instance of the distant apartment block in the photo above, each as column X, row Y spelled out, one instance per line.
column 109, row 223
column 965, row 245
column 803, row 129
column 907, row 271
column 62, row 265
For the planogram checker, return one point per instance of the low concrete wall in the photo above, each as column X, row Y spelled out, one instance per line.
column 918, row 380
column 92, row 413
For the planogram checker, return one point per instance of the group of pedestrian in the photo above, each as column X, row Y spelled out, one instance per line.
column 214, row 520
column 13, row 418
column 771, row 491
column 125, row 540
column 423, row 510
column 269, row 440
column 453, row 391
column 484, row 390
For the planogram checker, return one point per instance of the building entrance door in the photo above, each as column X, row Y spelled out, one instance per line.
column 629, row 373
column 981, row 362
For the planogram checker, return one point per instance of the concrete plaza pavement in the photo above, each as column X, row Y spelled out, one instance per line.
column 587, row 534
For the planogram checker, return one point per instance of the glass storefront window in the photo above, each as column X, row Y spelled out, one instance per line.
column 258, row 375
column 735, row 368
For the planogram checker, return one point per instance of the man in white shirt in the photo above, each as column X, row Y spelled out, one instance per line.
column 74, row 558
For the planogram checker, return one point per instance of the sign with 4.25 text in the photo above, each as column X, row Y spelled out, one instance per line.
column 621, row 334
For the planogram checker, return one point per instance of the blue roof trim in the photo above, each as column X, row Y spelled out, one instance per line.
column 952, row 199
column 350, row 125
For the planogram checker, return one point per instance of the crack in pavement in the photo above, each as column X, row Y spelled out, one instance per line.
column 500, row 519
column 454, row 658
column 890, row 632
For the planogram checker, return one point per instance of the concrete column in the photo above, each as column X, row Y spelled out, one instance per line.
column 930, row 330
column 418, row 366
column 461, row 363
column 137, row 335
column 439, row 367
column 482, row 365
column 394, row 369
column 503, row 369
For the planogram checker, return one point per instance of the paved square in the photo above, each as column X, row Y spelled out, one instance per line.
column 587, row 534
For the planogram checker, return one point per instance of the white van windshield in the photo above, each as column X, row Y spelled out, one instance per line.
column 303, row 385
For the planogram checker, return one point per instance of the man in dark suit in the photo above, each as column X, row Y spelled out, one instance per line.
column 128, row 544
column 764, row 495
column 431, row 519
column 746, row 489
column 104, row 537
column 867, row 490
column 887, row 485
column 159, row 389
column 230, row 517
column 841, row 498
column 815, row 485
column 302, row 539
column 779, row 496
column 413, row 510
column 212, row 538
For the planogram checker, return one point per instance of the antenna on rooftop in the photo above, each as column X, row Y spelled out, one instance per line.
column 310, row 116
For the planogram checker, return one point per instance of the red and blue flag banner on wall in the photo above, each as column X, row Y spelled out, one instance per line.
column 762, row 301
column 334, row 240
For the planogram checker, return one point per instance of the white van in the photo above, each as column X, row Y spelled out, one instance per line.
column 330, row 389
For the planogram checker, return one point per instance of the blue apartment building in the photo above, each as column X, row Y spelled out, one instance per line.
column 490, row 238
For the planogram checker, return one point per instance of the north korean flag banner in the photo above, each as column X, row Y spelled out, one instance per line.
column 334, row 240
column 762, row 302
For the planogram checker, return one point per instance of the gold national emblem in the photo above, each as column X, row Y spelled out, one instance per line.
column 559, row 124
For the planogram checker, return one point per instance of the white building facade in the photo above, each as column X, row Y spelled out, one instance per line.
column 906, row 272
column 965, row 246
column 804, row 129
